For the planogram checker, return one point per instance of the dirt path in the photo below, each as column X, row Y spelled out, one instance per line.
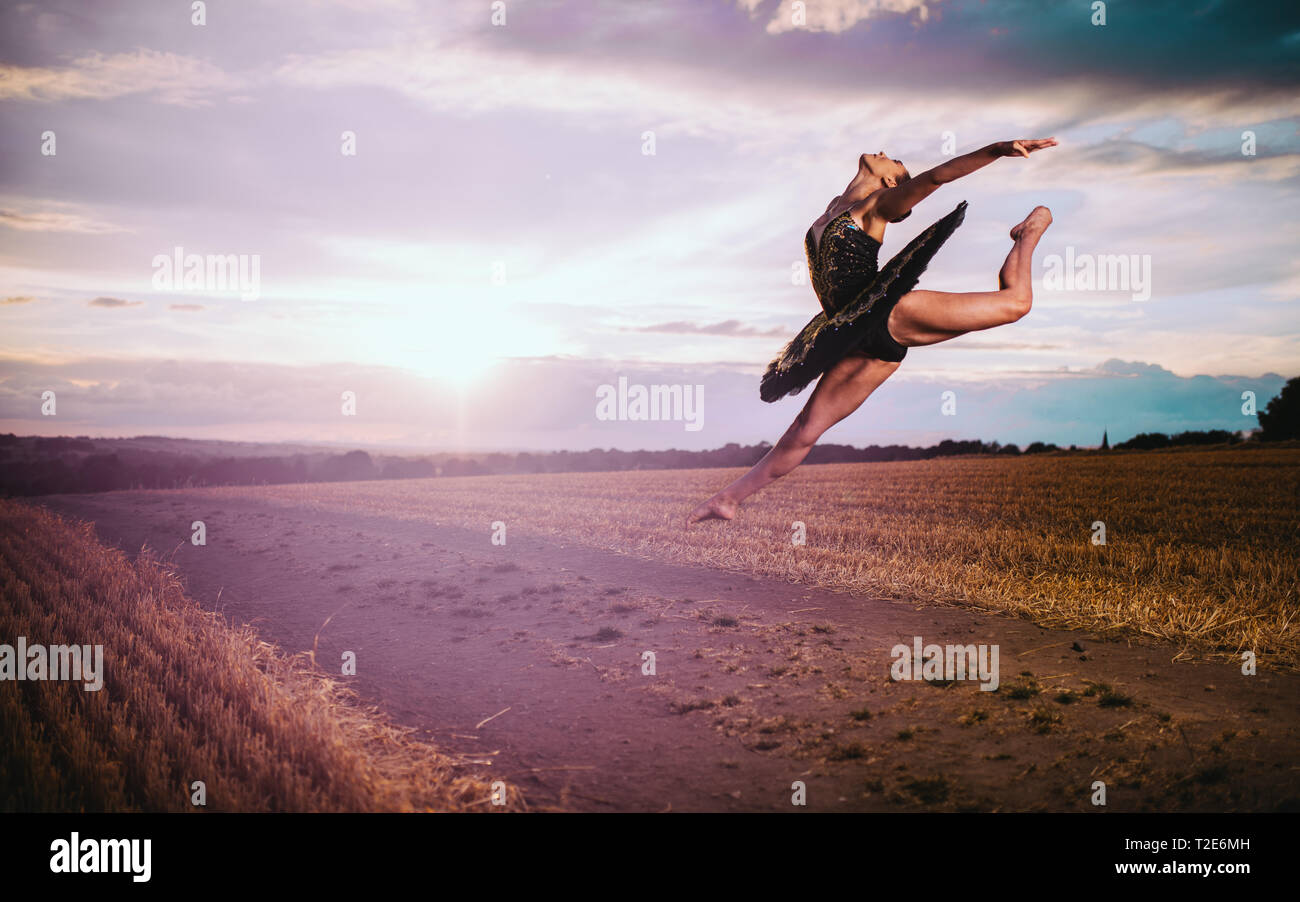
column 758, row 683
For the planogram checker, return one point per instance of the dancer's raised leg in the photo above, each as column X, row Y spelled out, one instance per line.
column 919, row 318
column 927, row 317
column 838, row 393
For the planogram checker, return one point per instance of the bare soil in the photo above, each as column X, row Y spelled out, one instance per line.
column 527, row 659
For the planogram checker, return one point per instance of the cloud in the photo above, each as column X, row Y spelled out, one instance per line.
column 1117, row 367
column 162, row 76
column 187, row 307
column 460, row 77
column 1136, row 159
column 968, row 344
column 20, row 299
column 733, row 328
column 835, row 15
column 113, row 302
column 719, row 80
column 265, row 402
column 55, row 221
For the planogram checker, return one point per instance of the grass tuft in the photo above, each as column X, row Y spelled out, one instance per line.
column 185, row 697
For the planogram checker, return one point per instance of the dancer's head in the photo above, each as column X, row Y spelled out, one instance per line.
column 883, row 171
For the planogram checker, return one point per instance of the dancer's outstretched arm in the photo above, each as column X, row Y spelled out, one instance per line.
column 893, row 204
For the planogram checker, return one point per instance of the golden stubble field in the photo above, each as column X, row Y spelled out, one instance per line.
column 1200, row 546
column 184, row 698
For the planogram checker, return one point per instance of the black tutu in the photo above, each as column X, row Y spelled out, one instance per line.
column 858, row 325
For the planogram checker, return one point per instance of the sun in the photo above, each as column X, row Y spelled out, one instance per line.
column 456, row 346
column 459, row 364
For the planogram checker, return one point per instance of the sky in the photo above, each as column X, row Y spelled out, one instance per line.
column 472, row 216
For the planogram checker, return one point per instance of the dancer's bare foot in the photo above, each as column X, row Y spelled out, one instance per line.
column 1034, row 225
column 716, row 508
column 1016, row 274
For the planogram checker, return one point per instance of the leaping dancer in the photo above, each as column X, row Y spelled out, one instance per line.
column 871, row 316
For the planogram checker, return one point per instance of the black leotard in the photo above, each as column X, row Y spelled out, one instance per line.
column 845, row 262
column 856, row 297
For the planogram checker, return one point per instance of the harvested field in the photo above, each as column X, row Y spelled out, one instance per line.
column 184, row 698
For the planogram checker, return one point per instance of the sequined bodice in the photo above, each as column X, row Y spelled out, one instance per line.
column 843, row 263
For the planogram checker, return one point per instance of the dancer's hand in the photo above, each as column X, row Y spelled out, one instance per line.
column 1022, row 148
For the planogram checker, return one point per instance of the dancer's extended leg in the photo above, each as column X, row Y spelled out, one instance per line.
column 838, row 393
column 919, row 318
column 927, row 317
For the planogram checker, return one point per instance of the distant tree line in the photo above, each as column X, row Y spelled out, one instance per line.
column 1148, row 441
column 43, row 466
